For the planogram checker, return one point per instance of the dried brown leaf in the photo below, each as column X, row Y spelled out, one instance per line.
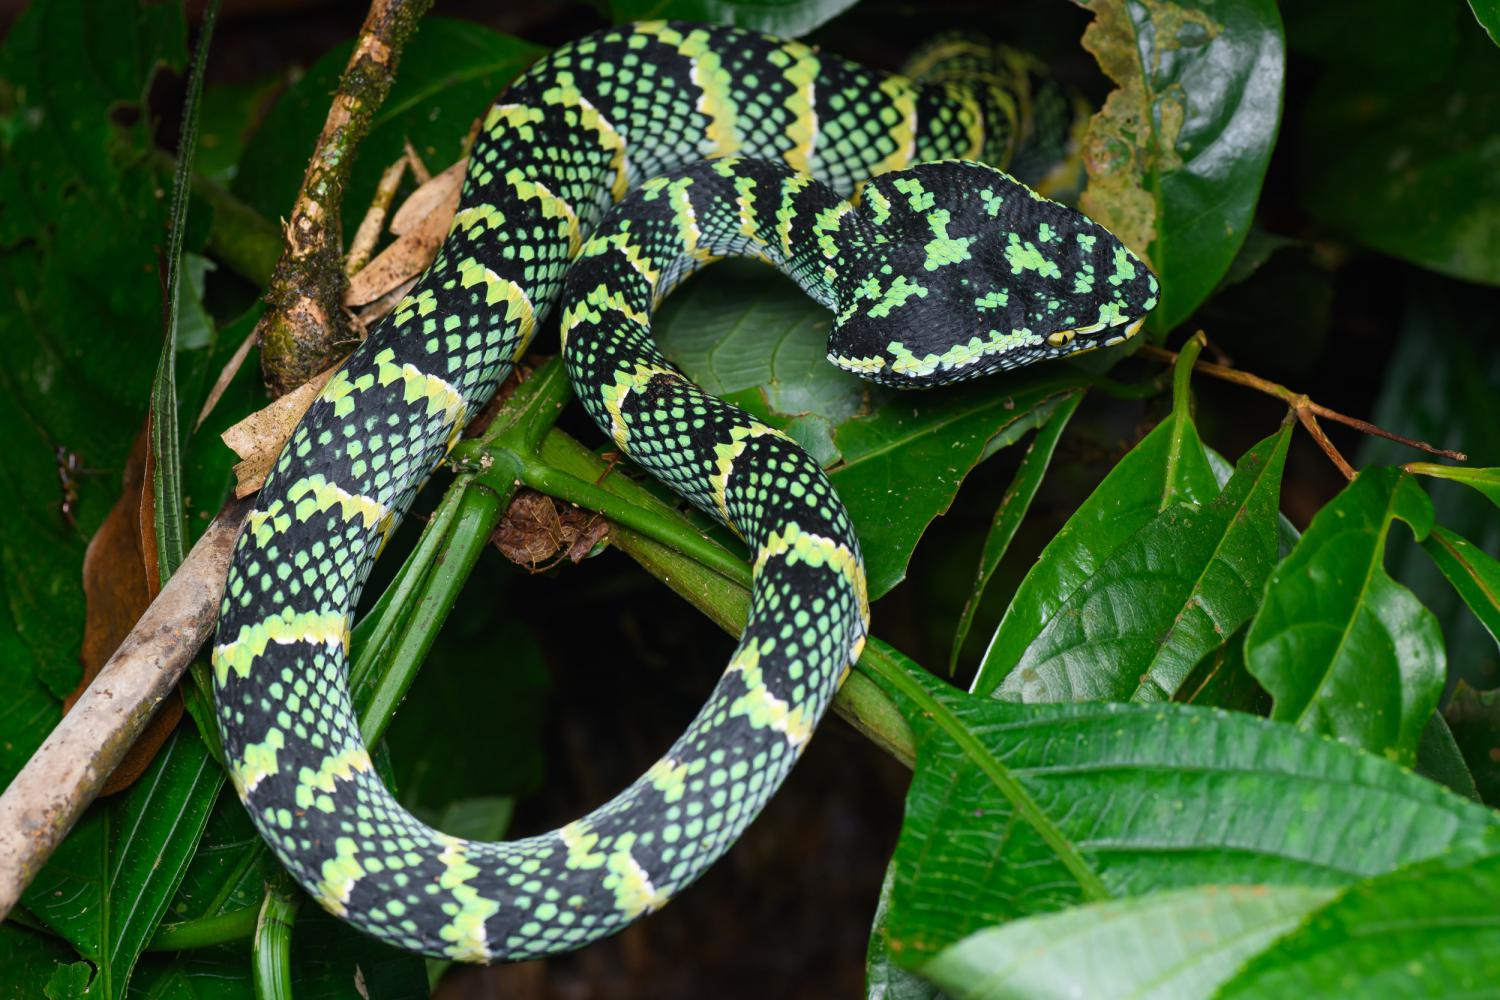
column 119, row 581
column 538, row 533
column 259, row 438
column 429, row 196
column 413, row 250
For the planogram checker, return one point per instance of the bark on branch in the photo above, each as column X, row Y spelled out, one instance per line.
column 304, row 324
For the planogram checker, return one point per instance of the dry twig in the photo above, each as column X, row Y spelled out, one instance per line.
column 70, row 767
column 1306, row 410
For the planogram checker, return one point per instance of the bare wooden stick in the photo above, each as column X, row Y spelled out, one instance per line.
column 67, row 771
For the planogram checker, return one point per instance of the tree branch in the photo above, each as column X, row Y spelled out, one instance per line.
column 70, row 767
column 304, row 322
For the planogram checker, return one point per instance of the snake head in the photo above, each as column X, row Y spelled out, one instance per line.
column 963, row 270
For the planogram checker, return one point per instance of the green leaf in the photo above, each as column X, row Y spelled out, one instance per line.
column 80, row 333
column 461, row 708
column 1440, row 387
column 884, row 979
column 1136, row 626
column 108, row 884
column 1439, row 758
column 166, row 436
column 1394, row 148
column 1182, row 943
column 1015, row 810
column 1342, row 648
column 1220, row 680
column 1475, row 574
column 1474, row 719
column 201, row 974
column 31, row 959
column 1487, row 13
column 1169, row 468
column 1427, row 930
column 1177, row 154
column 1011, row 512
column 1486, row 481
column 450, row 72
column 747, row 334
column 788, row 18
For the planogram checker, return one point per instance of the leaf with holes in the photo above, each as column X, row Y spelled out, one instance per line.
column 1176, row 156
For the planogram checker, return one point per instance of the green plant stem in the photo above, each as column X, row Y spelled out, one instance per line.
column 236, row 925
column 271, row 962
column 479, row 509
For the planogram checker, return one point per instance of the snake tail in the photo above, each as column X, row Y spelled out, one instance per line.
column 937, row 276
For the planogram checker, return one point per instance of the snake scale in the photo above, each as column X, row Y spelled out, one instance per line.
column 609, row 171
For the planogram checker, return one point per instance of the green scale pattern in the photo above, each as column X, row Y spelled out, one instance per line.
column 946, row 271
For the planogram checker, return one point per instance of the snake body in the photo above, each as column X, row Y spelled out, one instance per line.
column 709, row 142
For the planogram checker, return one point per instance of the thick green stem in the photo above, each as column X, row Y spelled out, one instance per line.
column 271, row 961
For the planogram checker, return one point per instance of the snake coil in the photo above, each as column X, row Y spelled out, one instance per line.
column 708, row 142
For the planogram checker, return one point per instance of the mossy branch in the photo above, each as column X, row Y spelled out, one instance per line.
column 304, row 326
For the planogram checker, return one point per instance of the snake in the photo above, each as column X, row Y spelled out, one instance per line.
column 606, row 174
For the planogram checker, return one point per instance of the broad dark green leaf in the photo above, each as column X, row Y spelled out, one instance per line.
column 1487, row 13
column 1395, row 147
column 203, row 974
column 897, row 459
column 1177, row 154
column 450, row 72
column 1168, row 468
column 109, row 883
column 1220, row 680
column 228, row 872
column 1439, row 386
column 1474, row 573
column 481, row 696
column 1167, row 945
column 30, row 958
column 1474, row 719
column 80, row 228
column 1014, row 809
column 1440, row 758
column 1135, row 627
column 1426, row 930
column 1342, row 648
column 330, row 961
column 1011, row 512
column 788, row 18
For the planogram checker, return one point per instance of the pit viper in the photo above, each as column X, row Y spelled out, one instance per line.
column 608, row 172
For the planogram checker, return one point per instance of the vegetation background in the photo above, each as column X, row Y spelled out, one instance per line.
column 1318, row 188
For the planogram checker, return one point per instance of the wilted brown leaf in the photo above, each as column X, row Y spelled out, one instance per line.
column 423, row 232
column 258, row 439
column 537, row 533
column 119, row 581
column 432, row 194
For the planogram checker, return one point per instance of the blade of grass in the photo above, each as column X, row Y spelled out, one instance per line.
column 166, row 444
